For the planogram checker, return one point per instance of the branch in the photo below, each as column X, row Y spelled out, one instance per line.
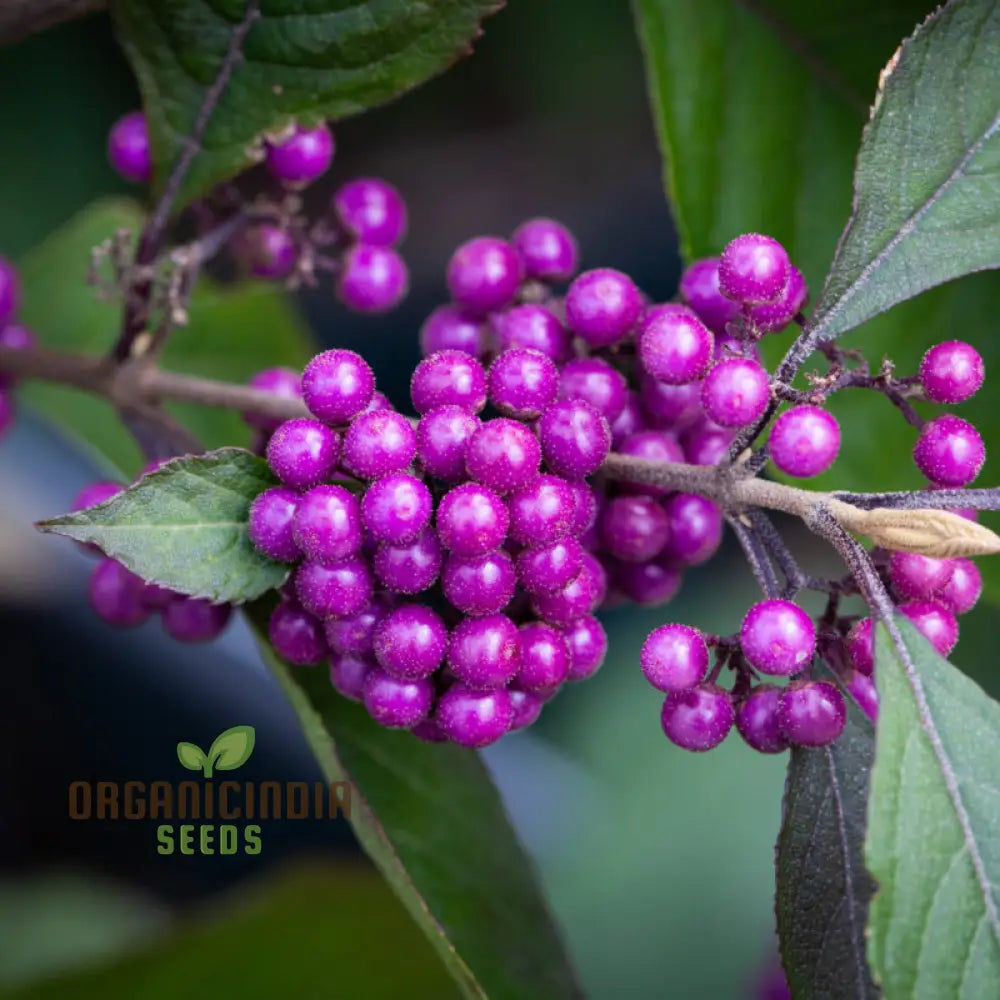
column 756, row 555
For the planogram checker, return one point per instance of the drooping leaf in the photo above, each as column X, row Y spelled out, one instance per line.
column 432, row 821
column 302, row 60
column 232, row 748
column 190, row 755
column 932, row 840
column 184, row 526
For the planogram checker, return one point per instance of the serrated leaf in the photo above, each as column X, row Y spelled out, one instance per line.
column 302, row 60
column 432, row 821
column 231, row 749
column 190, row 755
column 932, row 840
column 184, row 526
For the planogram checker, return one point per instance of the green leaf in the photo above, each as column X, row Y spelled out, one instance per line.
column 232, row 748
column 932, row 839
column 184, row 526
column 925, row 187
column 431, row 820
column 190, row 755
column 234, row 332
column 823, row 888
column 302, row 60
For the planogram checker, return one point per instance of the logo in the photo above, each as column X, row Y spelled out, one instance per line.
column 228, row 751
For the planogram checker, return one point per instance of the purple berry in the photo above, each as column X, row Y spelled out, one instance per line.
column 669, row 406
column 116, row 594
column 327, row 524
column 674, row 657
column 585, row 507
column 951, row 372
column 95, row 493
column 753, row 269
column 545, row 657
column 547, row 250
column 268, row 251
column 372, row 279
column 861, row 646
column 334, row 591
column 270, row 524
column 700, row 289
column 697, row 718
column 949, row 451
column 653, row 446
column 448, row 378
column 521, row 383
column 588, row 645
column 534, row 328
column 757, row 720
column 371, row 211
column 935, row 622
column 472, row 520
column 410, row 568
column 396, row 703
column 354, row 634
column 474, row 718
column 484, row 274
column 303, row 452
column 503, row 455
column 777, row 637
column 775, row 316
column 296, row 635
column 914, row 575
column 428, row 731
column 396, row 508
column 443, row 437
column 545, row 569
column 410, row 642
column 283, row 382
column 575, row 438
column 862, row 689
column 191, row 619
column 302, row 156
column 337, row 385
column 596, row 382
column 811, row 713
column 602, row 306
column 485, row 652
column 736, row 392
column 347, row 674
column 634, row 528
column 156, row 598
column 804, row 441
column 706, row 444
column 449, row 329
column 378, row 443
column 630, row 421
column 649, row 584
column 960, row 594
column 542, row 512
column 695, row 529
column 578, row 598
column 674, row 346
column 479, row 585
column 129, row 150
column 527, row 707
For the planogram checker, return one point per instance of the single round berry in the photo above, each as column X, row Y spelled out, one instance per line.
column 410, row 568
column 327, row 524
column 337, row 385
column 951, row 372
column 372, row 279
column 296, row 635
column 736, row 392
column 861, row 646
column 503, row 455
column 700, row 289
column 448, row 378
column 706, row 444
column 527, row 707
column 303, row 452
column 396, row 508
column 777, row 637
column 585, row 507
column 270, row 524
column 116, row 594
column 301, row 156
column 474, row 718
column 545, row 657
column 396, row 703
column 935, row 622
column 653, row 446
column 695, row 529
column 914, row 575
column 268, row 251
column 546, row 569
column 753, row 269
column 410, row 642
column 630, row 421
column 371, row 211
column 547, row 250
column 674, row 346
column 596, row 382
column 479, row 585
column 343, row 588
column 575, row 438
column 533, row 328
column 578, row 598
column 378, row 443
column 484, row 274
column 485, row 652
column 949, row 451
column 449, row 329
column 811, row 713
column 697, row 718
column 649, row 584
column 521, row 383
column 354, row 634
column 804, row 441
column 191, row 619
column 674, row 657
column 757, row 720
column 472, row 520
column 634, row 528
column 775, row 316
column 542, row 512
column 128, row 148
column 347, row 674
column 960, row 594
column 443, row 436
column 669, row 407
column 862, row 689
column 283, row 382
column 602, row 306
column 95, row 493
column 588, row 645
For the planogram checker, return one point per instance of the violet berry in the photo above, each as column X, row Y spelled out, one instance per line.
column 379, row 442
column 527, row 707
column 535, row 328
column 697, row 718
column 340, row 589
column 448, row 378
column 268, row 251
column 862, row 689
column 588, row 645
column 602, row 306
column 811, row 713
column 449, row 329
column 753, row 269
column 484, row 274
column 757, row 720
column 485, row 652
column 542, row 512
column 634, row 528
column 736, row 392
column 443, row 436
column 949, row 451
column 472, row 520
column 935, row 622
column 116, row 594
column 804, row 441
column 474, row 718
column 575, row 438
column 396, row 703
column 503, row 455
column 129, row 150
column 674, row 657
column 546, row 569
column 301, row 156
column 337, row 385
column 372, row 279
column 270, row 524
column 597, row 382
column 674, row 346
column 354, row 634
column 706, row 445
column 777, row 637
column 283, row 382
column 951, row 372
column 326, row 525
column 347, row 674
column 861, row 646
column 396, row 508
column 521, row 383
column 192, row 619
column 649, row 584
column 630, row 421
column 410, row 568
column 545, row 657
column 914, row 575
column 699, row 287
column 669, row 406
column 410, row 642
column 296, row 635
column 775, row 316
column 960, row 594
column 695, row 528
column 579, row 597
column 479, row 585
column 547, row 250
column 303, row 452
column 371, row 211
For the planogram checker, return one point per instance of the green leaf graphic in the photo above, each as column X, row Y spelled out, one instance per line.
column 232, row 748
column 191, row 756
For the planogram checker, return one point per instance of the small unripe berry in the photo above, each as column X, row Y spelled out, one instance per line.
column 296, row 635
column 697, row 718
column 448, row 378
column 674, row 657
column 547, row 250
column 951, row 372
column 757, row 720
column 302, row 156
column 777, row 637
column 337, row 385
column 736, row 392
column 129, row 150
column 602, row 306
column 484, row 274
column 935, row 622
column 700, row 289
column 474, row 718
column 949, row 451
column 371, row 211
column 804, row 441
column 373, row 279
column 753, row 269
column 410, row 642
column 811, row 713
column 674, row 346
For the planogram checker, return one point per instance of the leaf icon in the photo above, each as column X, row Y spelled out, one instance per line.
column 191, row 756
column 232, row 748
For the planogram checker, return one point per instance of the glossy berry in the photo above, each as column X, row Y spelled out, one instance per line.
column 546, row 569
column 777, row 637
column 484, row 274
column 268, row 251
column 674, row 346
column 283, row 382
column 337, row 385
column 443, row 436
column 547, row 250
column 545, row 657
column 804, row 441
column 371, row 211
column 301, row 156
column 340, row 589
column 327, row 524
column 575, row 438
column 116, row 594
column 521, row 383
column 503, row 455
column 372, row 279
column 296, row 635
column 527, row 707
column 654, row 446
column 753, row 269
column 347, row 674
column 410, row 642
column 736, row 392
column 584, row 507
column 472, row 520
column 935, row 622
column 862, row 689
column 669, row 407
column 479, row 585
column 410, row 568
column 396, row 508
column 354, row 634
column 534, row 328
column 634, row 528
column 674, row 657
column 396, row 703
column 379, row 442
column 303, row 452
column 448, row 378
column 630, row 421
column 602, row 306
column 949, row 451
column 128, row 148
column 757, row 720
column 542, row 512
column 191, row 619
column 474, row 718
column 449, row 329
column 960, row 594
column 811, row 713
column 695, row 529
column 270, row 524
column 775, row 316
column 579, row 597
column 699, row 287
column 649, row 584
column 861, row 646
column 707, row 445
column 951, row 372
column 697, row 718
column 914, row 575
column 485, row 652
column 588, row 645
column 597, row 382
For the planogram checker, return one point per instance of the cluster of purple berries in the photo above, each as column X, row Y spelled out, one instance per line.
column 366, row 221
column 13, row 335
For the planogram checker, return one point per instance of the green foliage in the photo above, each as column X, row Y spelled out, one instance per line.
column 302, row 60
column 184, row 526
